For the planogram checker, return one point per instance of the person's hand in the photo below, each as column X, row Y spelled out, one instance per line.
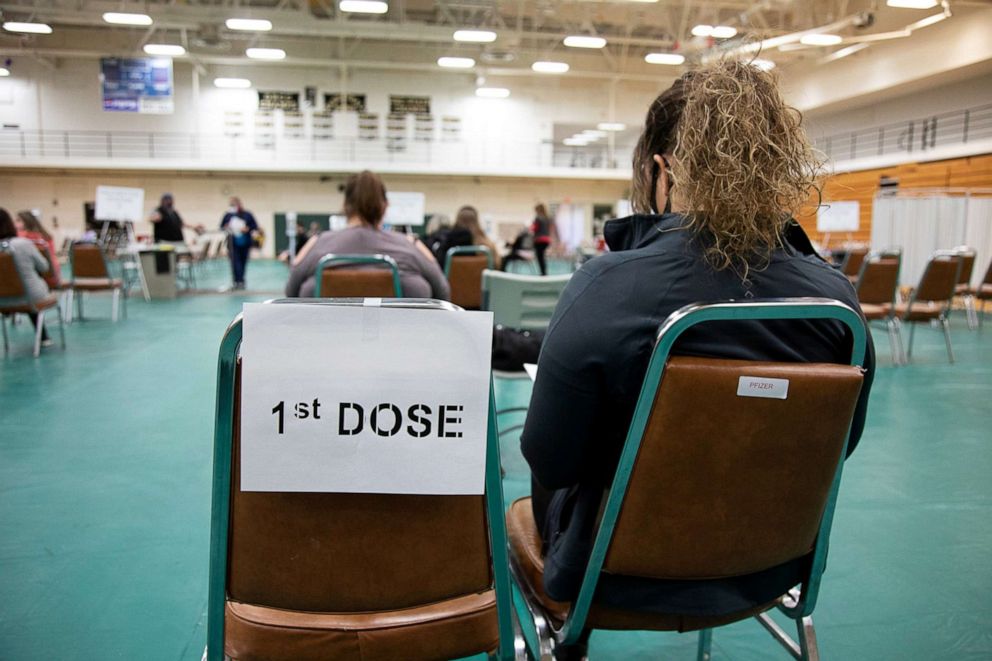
column 245, row 230
column 199, row 229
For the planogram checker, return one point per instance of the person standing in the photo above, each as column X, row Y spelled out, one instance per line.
column 240, row 226
column 168, row 224
column 542, row 228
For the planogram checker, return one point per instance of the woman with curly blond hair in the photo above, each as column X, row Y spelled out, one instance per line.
column 722, row 166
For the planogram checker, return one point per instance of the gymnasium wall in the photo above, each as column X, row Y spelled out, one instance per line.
column 861, row 186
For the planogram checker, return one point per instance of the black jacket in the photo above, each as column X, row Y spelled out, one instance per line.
column 592, row 365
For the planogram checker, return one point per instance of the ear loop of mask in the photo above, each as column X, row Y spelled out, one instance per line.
column 654, row 188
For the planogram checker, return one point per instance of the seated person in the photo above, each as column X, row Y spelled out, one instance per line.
column 467, row 219
column 30, row 266
column 719, row 170
column 365, row 206
column 441, row 237
column 29, row 227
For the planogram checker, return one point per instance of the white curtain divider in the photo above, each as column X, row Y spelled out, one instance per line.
column 922, row 224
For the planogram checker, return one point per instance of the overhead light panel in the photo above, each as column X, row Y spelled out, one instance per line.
column 248, row 24
column 702, row 30
column 232, row 83
column 764, row 65
column 912, row 4
column 30, row 28
column 126, row 18
column 492, row 92
column 611, row 126
column 594, row 134
column 575, row 142
column 664, row 58
column 550, row 67
column 266, row 53
column 363, row 6
column 584, row 41
column 475, row 36
column 4, row 72
column 456, row 62
column 821, row 39
column 723, row 32
column 168, row 50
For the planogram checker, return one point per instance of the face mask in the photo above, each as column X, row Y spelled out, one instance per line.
column 232, row 210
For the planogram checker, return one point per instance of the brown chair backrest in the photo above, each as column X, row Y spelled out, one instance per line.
column 987, row 280
column 11, row 285
column 853, row 260
column 879, row 280
column 465, row 278
column 726, row 485
column 343, row 282
column 87, row 261
column 967, row 266
column 939, row 279
column 346, row 553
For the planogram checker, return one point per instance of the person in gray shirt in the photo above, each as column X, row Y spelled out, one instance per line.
column 29, row 264
column 365, row 206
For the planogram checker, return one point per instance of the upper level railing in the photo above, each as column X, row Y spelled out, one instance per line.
column 246, row 151
column 913, row 137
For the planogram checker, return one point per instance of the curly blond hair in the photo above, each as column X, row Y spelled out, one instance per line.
column 742, row 166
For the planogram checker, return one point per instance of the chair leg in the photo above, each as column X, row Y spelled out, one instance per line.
column 58, row 311
column 891, row 328
column 912, row 332
column 79, row 306
column 947, row 338
column 705, row 643
column 117, row 305
column 970, row 312
column 807, row 639
column 40, row 328
column 3, row 323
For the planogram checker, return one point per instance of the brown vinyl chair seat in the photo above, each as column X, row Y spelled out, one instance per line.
column 875, row 311
column 525, row 550
column 27, row 307
column 95, row 284
column 921, row 311
column 357, row 283
column 465, row 278
column 984, row 291
column 444, row 630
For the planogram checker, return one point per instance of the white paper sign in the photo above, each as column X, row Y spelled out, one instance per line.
column 838, row 217
column 119, row 203
column 758, row 386
column 364, row 399
column 405, row 208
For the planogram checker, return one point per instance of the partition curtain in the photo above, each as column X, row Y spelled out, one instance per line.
column 921, row 225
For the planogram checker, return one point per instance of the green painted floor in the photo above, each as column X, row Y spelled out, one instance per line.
column 105, row 458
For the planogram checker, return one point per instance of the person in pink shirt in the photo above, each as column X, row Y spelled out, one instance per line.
column 29, row 227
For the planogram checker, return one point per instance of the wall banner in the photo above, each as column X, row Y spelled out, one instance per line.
column 141, row 85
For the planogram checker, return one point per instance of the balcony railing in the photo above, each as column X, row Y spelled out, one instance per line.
column 72, row 147
column 916, row 136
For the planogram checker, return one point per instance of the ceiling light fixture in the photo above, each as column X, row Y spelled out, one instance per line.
column 363, row 6
column 929, row 20
column 702, row 30
column 456, row 62
column 550, row 67
column 30, row 28
column 595, row 134
column 584, row 41
column 912, row 4
column 232, row 83
column 664, row 58
column 4, row 72
column 125, row 18
column 764, row 65
column 843, row 52
column 266, row 53
column 821, row 39
column 611, row 126
column 723, row 32
column 492, row 92
column 248, row 24
column 475, row 36
column 169, row 50
column 575, row 142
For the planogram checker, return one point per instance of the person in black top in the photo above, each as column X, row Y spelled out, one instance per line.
column 542, row 229
column 167, row 223
column 718, row 172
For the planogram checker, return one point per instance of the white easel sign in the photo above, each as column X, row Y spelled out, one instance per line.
column 119, row 203
column 405, row 208
column 838, row 217
column 364, row 399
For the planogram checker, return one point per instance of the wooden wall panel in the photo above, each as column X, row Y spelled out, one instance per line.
column 970, row 172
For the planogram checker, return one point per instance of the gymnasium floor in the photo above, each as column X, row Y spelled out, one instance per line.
column 105, row 461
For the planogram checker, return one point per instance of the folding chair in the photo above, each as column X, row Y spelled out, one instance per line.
column 931, row 300
column 963, row 288
column 524, row 302
column 344, row 276
column 12, row 287
column 712, row 484
column 307, row 576
column 90, row 273
column 54, row 278
column 983, row 293
column 877, row 286
column 851, row 266
column 463, row 266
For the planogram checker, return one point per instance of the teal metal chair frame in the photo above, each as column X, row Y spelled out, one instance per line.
column 334, row 261
column 796, row 605
column 468, row 251
column 221, row 492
